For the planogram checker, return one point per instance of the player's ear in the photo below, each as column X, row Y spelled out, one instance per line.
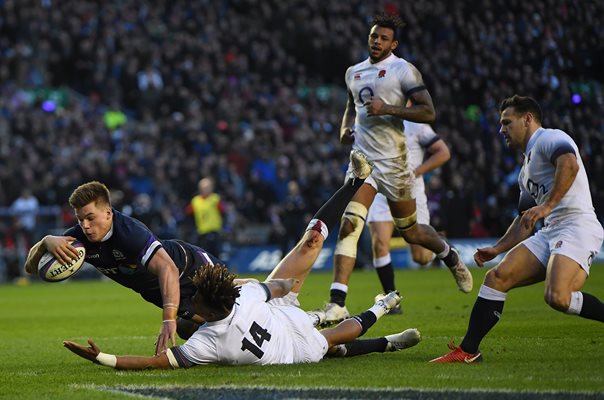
column 394, row 45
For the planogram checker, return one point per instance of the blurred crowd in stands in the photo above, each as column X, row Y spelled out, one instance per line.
column 150, row 96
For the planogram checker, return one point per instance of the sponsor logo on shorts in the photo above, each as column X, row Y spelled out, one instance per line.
column 558, row 244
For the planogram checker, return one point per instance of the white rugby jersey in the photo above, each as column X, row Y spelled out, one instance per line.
column 255, row 332
column 392, row 80
column 419, row 138
column 537, row 174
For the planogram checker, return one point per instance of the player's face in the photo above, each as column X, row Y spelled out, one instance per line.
column 95, row 220
column 381, row 43
column 514, row 128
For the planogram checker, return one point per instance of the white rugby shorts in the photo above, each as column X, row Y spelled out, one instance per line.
column 391, row 177
column 380, row 211
column 309, row 344
column 577, row 236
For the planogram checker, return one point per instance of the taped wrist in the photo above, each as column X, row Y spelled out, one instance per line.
column 108, row 360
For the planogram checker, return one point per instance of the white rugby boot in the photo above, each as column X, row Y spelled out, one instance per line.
column 395, row 310
column 462, row 274
column 317, row 317
column 404, row 340
column 335, row 313
column 361, row 166
column 388, row 302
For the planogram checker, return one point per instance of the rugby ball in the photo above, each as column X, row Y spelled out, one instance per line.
column 51, row 270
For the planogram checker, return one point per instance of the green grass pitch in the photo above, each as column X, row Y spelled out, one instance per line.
column 533, row 348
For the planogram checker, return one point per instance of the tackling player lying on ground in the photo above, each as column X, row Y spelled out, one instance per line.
column 249, row 322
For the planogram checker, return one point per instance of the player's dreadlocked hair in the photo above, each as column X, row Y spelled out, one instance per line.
column 387, row 20
column 215, row 287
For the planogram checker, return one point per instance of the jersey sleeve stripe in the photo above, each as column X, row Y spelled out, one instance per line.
column 414, row 90
column 177, row 358
column 207, row 258
column 431, row 142
column 564, row 148
column 267, row 290
column 151, row 250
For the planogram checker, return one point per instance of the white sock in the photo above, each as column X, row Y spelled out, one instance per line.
column 576, row 303
column 491, row 294
column 445, row 252
column 382, row 261
column 339, row 286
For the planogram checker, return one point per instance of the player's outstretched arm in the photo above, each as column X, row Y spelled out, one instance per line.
column 280, row 287
column 163, row 266
column 93, row 353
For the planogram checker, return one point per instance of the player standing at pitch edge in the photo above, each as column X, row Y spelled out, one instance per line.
column 553, row 185
column 378, row 89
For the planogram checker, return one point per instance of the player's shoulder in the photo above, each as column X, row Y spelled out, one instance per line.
column 357, row 67
column 551, row 136
column 255, row 290
column 126, row 227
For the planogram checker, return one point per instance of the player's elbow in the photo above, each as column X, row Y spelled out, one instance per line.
column 430, row 116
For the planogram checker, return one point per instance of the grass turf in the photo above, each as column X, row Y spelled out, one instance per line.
column 533, row 348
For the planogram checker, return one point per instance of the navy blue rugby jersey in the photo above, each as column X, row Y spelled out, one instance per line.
column 124, row 256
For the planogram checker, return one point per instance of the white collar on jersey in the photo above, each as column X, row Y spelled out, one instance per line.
column 533, row 139
column 384, row 61
column 108, row 235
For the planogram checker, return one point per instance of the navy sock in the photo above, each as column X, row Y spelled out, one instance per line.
column 337, row 296
column 451, row 259
column 366, row 346
column 331, row 212
column 366, row 319
column 386, row 275
column 592, row 308
column 485, row 315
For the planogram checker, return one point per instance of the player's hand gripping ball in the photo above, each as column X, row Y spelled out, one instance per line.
column 51, row 270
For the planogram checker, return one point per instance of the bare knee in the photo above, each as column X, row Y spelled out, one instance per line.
column 380, row 247
column 312, row 241
column 557, row 299
column 412, row 235
column 499, row 279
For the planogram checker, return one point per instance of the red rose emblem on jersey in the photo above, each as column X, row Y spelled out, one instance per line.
column 382, row 73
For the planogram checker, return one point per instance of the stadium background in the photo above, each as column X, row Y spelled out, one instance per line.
column 150, row 96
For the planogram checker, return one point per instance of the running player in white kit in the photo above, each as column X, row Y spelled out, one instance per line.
column 421, row 139
column 378, row 90
column 249, row 322
column 553, row 186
